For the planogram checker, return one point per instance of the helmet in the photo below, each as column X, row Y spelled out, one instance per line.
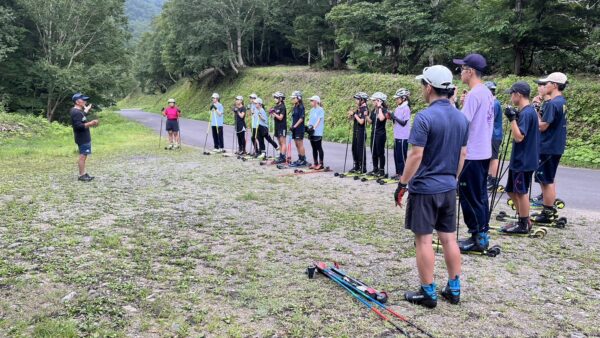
column 361, row 96
column 279, row 95
column 215, row 96
column 171, row 101
column 491, row 85
column 297, row 94
column 379, row 96
column 402, row 92
column 259, row 100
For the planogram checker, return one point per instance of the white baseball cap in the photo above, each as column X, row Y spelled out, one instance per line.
column 437, row 76
column 253, row 96
column 259, row 100
column 556, row 77
column 239, row 97
column 215, row 96
column 316, row 99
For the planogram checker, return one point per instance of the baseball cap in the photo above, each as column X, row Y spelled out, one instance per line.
column 475, row 61
column 437, row 76
column 253, row 96
column 239, row 97
column 79, row 96
column 556, row 77
column 316, row 99
column 491, row 85
column 520, row 87
column 259, row 100
column 215, row 96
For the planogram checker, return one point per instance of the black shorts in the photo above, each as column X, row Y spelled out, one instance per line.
column 298, row 134
column 427, row 212
column 547, row 168
column 495, row 148
column 518, row 182
column 280, row 131
column 173, row 125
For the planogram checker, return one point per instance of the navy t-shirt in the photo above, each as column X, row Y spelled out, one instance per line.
column 240, row 122
column 78, row 121
column 497, row 133
column 280, row 110
column 554, row 139
column 442, row 130
column 525, row 154
column 297, row 114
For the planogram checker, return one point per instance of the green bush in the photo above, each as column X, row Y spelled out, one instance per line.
column 337, row 87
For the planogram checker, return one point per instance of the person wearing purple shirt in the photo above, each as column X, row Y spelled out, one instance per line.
column 478, row 108
column 401, row 119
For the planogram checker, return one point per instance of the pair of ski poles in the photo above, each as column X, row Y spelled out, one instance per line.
column 368, row 301
column 161, row 129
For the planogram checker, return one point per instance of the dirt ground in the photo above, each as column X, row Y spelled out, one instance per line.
column 181, row 244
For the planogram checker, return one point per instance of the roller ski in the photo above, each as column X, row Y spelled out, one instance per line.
column 544, row 219
column 492, row 251
column 312, row 171
column 375, row 175
column 511, row 229
column 352, row 173
column 384, row 181
column 536, row 203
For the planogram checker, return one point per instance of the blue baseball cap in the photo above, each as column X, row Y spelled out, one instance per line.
column 475, row 61
column 80, row 96
column 520, row 87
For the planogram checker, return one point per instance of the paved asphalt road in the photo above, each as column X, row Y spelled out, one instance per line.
column 579, row 188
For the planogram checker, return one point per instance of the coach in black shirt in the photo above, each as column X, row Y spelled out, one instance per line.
column 81, row 131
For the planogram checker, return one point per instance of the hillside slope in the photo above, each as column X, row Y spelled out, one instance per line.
column 336, row 90
column 140, row 14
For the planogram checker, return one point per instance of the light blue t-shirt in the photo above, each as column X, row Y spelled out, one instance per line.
column 315, row 115
column 263, row 120
column 254, row 116
column 215, row 119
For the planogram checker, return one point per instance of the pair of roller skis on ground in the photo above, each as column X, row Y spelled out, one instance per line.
column 371, row 298
column 366, row 177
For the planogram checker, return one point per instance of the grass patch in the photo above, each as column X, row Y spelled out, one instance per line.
column 52, row 328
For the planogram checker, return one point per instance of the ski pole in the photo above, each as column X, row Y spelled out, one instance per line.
column 179, row 133
column 347, row 143
column 204, row 152
column 362, row 297
column 234, row 133
column 160, row 132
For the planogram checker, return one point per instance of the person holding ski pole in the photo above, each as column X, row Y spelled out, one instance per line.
column 439, row 145
column 493, row 179
column 524, row 156
column 377, row 119
column 297, row 129
column 216, row 121
column 172, row 113
column 263, row 128
column 553, row 125
column 240, row 124
column 401, row 119
column 81, row 132
column 279, row 114
column 316, row 127
column 254, row 124
column 359, row 135
column 478, row 107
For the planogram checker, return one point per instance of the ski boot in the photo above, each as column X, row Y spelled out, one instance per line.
column 372, row 173
column 262, row 156
column 452, row 290
column 477, row 242
column 381, row 173
column 426, row 296
column 547, row 216
column 169, row 147
column 522, row 226
column 280, row 159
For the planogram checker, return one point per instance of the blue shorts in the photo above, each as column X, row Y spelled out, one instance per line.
column 518, row 181
column 173, row 125
column 85, row 149
column 547, row 168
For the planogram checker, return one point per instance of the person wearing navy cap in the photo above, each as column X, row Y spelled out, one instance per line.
column 524, row 156
column 478, row 107
column 81, row 131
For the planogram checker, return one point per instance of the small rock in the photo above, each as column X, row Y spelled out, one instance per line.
column 87, row 239
column 14, row 245
column 50, row 248
column 559, row 317
column 577, row 335
column 69, row 296
column 130, row 309
column 175, row 327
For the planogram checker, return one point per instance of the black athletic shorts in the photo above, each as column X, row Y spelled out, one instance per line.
column 172, row 125
column 427, row 212
column 547, row 168
column 496, row 148
column 298, row 134
column 280, row 132
column 316, row 138
column 518, row 182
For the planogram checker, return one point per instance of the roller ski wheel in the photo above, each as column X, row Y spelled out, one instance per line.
column 337, row 174
column 511, row 204
column 492, row 251
column 500, row 189
column 559, row 204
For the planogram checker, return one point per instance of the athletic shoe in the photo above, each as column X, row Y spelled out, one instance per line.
column 85, row 178
column 452, row 291
column 312, row 166
column 547, row 216
column 515, row 228
column 319, row 167
column 423, row 297
column 262, row 156
column 477, row 242
column 372, row 173
column 396, row 177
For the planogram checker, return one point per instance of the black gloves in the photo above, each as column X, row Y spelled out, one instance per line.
column 511, row 113
column 399, row 193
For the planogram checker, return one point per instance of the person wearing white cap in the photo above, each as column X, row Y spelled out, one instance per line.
column 316, row 127
column 172, row 113
column 216, row 122
column 240, row 124
column 263, row 129
column 553, row 125
column 377, row 119
column 401, row 121
column 439, row 139
column 297, row 129
column 254, row 124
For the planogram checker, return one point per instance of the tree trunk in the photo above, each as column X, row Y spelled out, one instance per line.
column 518, row 60
column 309, row 56
column 239, row 48
column 49, row 108
column 337, row 60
